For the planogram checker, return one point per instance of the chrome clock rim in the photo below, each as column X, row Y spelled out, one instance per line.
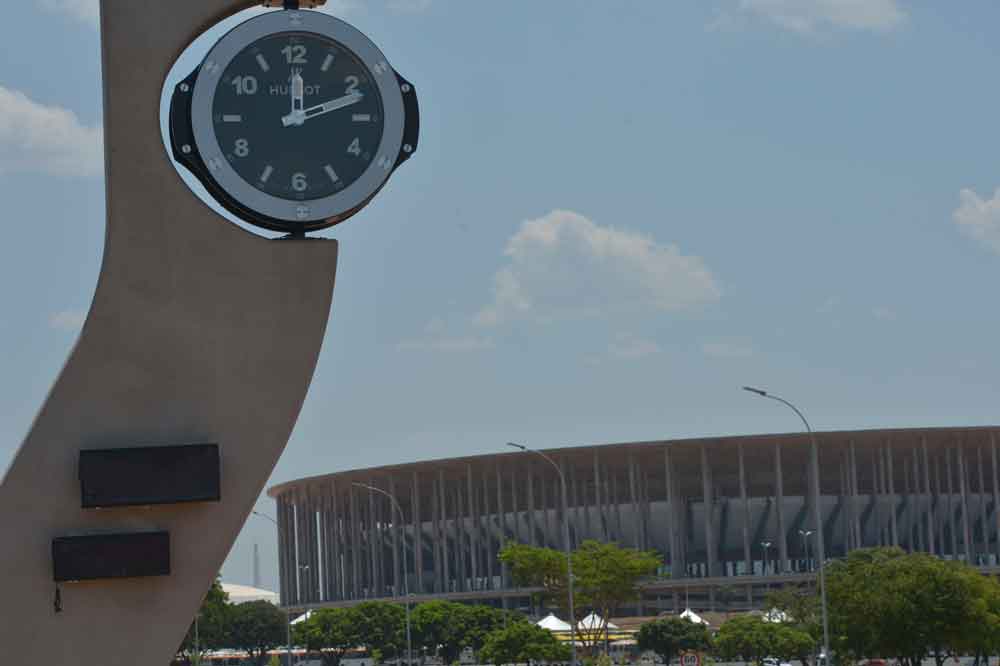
column 218, row 167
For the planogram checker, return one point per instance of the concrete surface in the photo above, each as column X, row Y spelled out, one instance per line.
column 198, row 332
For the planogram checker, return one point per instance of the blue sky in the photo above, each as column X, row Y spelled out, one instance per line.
column 618, row 215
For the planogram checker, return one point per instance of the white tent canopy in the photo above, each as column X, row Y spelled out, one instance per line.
column 775, row 615
column 302, row 618
column 691, row 616
column 239, row 594
column 552, row 623
column 594, row 622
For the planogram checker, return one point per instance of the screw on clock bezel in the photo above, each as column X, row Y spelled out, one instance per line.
column 286, row 214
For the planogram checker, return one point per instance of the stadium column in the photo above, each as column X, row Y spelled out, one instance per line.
column 779, row 505
column 930, row 501
column 336, row 567
column 709, row 512
column 598, row 506
column 677, row 563
column 950, row 505
column 355, row 542
column 443, row 525
column 633, row 500
column 747, row 562
column 996, row 494
column 435, row 538
column 417, row 537
column 984, row 526
column 891, row 488
column 473, row 528
column 283, row 587
column 963, row 497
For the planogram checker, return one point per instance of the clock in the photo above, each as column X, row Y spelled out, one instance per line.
column 293, row 121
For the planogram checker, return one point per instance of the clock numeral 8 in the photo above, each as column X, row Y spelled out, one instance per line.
column 242, row 148
column 299, row 183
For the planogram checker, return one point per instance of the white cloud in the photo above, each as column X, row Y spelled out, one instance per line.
column 46, row 139
column 978, row 218
column 629, row 347
column 84, row 10
column 436, row 338
column 806, row 16
column 563, row 264
column 726, row 349
column 67, row 320
column 883, row 313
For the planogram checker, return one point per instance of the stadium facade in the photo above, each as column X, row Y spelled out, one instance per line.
column 731, row 516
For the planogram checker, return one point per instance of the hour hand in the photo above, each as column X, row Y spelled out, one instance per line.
column 299, row 117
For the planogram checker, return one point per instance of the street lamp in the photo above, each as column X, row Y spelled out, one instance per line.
column 402, row 558
column 765, row 545
column 805, row 534
column 566, row 547
column 288, row 612
column 817, row 514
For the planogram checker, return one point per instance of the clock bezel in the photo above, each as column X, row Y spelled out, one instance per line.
column 308, row 212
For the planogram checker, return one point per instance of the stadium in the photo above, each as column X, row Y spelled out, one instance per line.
column 731, row 516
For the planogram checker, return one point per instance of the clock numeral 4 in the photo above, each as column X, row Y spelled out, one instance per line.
column 355, row 147
column 241, row 148
column 295, row 54
column 245, row 85
column 299, row 182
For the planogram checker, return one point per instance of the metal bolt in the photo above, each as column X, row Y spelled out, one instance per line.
column 186, row 149
column 405, row 87
column 407, row 148
column 185, row 87
column 302, row 212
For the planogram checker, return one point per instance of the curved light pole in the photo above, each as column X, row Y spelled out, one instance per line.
column 402, row 562
column 288, row 613
column 566, row 547
column 817, row 514
column 805, row 534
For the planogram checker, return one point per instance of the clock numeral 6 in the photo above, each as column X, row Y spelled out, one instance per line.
column 241, row 148
column 295, row 54
column 299, row 183
column 245, row 85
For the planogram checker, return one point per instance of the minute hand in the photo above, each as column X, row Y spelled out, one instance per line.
column 320, row 109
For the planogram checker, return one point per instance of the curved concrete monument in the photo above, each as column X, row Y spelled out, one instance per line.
column 198, row 332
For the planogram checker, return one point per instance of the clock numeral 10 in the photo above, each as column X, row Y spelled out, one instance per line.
column 299, row 183
column 245, row 85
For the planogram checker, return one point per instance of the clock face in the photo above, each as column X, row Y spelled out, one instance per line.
column 297, row 115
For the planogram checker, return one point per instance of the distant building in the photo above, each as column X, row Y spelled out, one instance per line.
column 710, row 506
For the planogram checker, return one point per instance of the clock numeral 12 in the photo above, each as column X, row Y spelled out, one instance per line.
column 295, row 54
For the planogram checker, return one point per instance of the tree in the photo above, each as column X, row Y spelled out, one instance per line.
column 605, row 577
column 484, row 620
column 750, row 638
column 211, row 625
column 441, row 627
column 669, row 637
column 798, row 608
column 330, row 631
column 522, row 642
column 883, row 601
column 255, row 627
column 381, row 628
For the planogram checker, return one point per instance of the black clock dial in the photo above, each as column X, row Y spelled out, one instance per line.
column 298, row 116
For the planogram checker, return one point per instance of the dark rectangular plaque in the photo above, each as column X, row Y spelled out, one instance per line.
column 97, row 556
column 149, row 475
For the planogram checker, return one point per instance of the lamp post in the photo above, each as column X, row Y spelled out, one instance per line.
column 764, row 546
column 288, row 612
column 805, row 534
column 402, row 558
column 817, row 514
column 566, row 547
